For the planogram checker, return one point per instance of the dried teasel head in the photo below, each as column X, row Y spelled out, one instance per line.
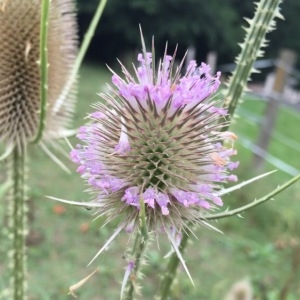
column 19, row 68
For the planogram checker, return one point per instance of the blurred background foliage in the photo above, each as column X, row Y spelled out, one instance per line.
column 207, row 25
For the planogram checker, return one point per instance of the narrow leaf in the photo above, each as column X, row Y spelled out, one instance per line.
column 263, row 199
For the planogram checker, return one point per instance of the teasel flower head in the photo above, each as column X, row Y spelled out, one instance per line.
column 20, row 72
column 156, row 140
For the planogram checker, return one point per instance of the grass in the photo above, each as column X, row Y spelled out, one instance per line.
column 260, row 246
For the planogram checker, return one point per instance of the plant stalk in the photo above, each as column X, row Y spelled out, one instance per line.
column 260, row 25
column 254, row 203
column 43, row 62
column 18, row 226
column 82, row 51
column 138, row 253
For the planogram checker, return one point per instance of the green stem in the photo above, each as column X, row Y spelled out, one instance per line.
column 254, row 203
column 170, row 273
column 262, row 22
column 18, row 226
column 87, row 38
column 138, row 253
column 260, row 25
column 82, row 51
column 43, row 68
column 174, row 260
column 44, row 59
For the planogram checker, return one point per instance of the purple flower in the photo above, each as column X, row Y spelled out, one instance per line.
column 157, row 138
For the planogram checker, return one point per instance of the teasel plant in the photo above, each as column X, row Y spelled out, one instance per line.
column 252, row 48
column 157, row 152
column 38, row 74
column 38, row 50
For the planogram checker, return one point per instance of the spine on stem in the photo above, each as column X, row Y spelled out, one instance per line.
column 252, row 48
column 18, row 226
column 138, row 254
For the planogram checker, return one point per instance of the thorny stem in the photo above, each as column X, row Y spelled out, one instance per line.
column 174, row 260
column 137, row 251
column 43, row 62
column 138, row 248
column 254, row 203
column 170, row 274
column 17, row 226
column 260, row 25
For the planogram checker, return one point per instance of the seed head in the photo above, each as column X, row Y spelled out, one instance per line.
column 19, row 67
column 157, row 139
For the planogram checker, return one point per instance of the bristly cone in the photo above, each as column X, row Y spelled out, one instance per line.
column 157, row 140
column 19, row 68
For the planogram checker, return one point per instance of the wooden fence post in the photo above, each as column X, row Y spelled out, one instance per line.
column 285, row 63
column 211, row 60
column 191, row 55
